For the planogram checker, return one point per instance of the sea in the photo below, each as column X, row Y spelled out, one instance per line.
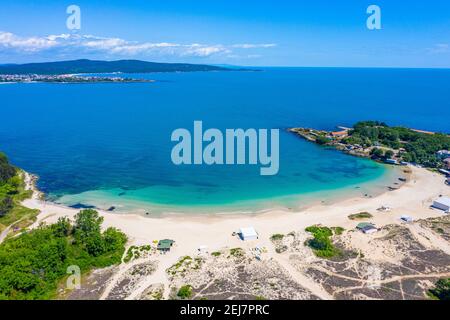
column 108, row 145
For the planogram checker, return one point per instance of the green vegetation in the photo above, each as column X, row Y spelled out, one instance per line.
column 441, row 291
column 185, row 292
column 216, row 253
column 12, row 192
column 32, row 264
column 360, row 215
column 411, row 146
column 322, row 140
column 135, row 252
column 277, row 237
column 338, row 230
column 236, row 252
column 184, row 264
column 321, row 242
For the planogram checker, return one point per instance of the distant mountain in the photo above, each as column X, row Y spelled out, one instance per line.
column 95, row 66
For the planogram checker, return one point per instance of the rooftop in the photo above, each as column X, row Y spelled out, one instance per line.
column 443, row 200
column 363, row 225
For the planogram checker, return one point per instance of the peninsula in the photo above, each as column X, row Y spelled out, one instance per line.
column 380, row 142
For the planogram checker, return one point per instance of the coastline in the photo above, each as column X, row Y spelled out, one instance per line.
column 190, row 231
column 106, row 199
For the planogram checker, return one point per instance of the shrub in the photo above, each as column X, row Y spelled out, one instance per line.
column 360, row 215
column 277, row 237
column 185, row 292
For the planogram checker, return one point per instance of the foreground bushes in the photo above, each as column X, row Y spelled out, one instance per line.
column 32, row 264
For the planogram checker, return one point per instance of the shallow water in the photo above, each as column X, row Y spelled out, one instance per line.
column 109, row 144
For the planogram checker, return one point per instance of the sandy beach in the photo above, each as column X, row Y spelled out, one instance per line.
column 215, row 231
column 413, row 198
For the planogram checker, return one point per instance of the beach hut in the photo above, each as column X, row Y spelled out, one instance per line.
column 165, row 245
column 442, row 203
column 248, row 233
column 406, row 218
column 391, row 161
column 366, row 227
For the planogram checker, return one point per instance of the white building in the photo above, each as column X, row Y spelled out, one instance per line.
column 442, row 203
column 248, row 233
column 406, row 218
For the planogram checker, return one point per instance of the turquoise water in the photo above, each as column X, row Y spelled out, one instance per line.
column 109, row 144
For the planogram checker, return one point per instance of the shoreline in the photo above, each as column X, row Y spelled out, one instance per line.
column 391, row 179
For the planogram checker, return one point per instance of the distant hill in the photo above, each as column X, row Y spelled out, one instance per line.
column 95, row 66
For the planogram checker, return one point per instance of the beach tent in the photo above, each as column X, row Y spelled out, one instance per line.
column 248, row 233
column 406, row 218
column 442, row 203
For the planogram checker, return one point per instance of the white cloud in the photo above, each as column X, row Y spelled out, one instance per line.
column 79, row 44
column 31, row 44
column 251, row 45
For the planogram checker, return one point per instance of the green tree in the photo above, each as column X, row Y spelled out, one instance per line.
column 377, row 152
column 62, row 227
column 87, row 224
column 322, row 140
column 388, row 154
column 442, row 289
column 7, row 171
column 185, row 292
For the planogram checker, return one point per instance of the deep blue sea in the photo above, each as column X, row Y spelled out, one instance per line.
column 109, row 144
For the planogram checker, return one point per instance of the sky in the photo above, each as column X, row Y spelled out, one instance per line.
column 319, row 33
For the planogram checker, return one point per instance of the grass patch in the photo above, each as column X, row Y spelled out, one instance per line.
column 236, row 252
column 185, row 292
column 277, row 237
column 12, row 193
column 216, row 253
column 321, row 242
column 135, row 252
column 360, row 216
column 338, row 230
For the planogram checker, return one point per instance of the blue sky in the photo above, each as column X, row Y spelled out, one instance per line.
column 258, row 33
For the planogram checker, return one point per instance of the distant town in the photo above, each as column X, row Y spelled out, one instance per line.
column 65, row 78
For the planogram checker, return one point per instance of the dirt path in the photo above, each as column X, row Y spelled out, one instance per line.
column 428, row 238
column 300, row 278
column 384, row 281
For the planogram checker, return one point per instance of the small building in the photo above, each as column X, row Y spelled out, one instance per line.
column 391, row 161
column 248, row 233
column 366, row 227
column 406, row 218
column 165, row 245
column 339, row 134
column 443, row 154
column 442, row 203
